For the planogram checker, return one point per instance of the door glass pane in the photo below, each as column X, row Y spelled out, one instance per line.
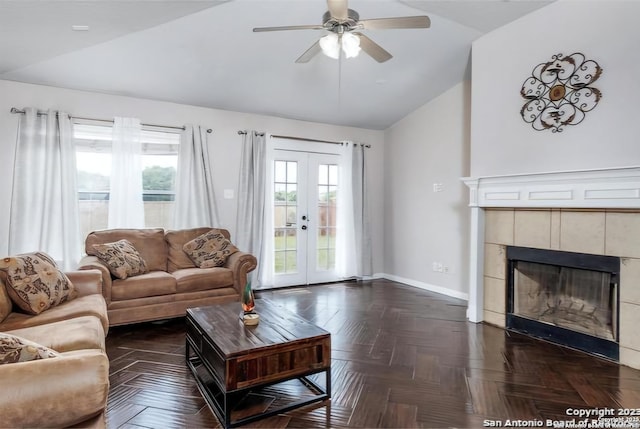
column 279, row 217
column 323, row 174
column 281, row 171
column 285, row 197
column 280, row 192
column 333, row 175
column 292, row 239
column 292, row 216
column 327, row 190
column 291, row 262
column 292, row 192
column 292, row 172
column 279, row 261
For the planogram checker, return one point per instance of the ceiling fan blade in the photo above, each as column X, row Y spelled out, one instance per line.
column 399, row 22
column 374, row 50
column 338, row 9
column 289, row 27
column 310, row 53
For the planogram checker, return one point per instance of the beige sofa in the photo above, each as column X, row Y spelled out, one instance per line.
column 67, row 390
column 173, row 283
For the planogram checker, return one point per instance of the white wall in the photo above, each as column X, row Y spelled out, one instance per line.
column 431, row 145
column 224, row 139
column 605, row 31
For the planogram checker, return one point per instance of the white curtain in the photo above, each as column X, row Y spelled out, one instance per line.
column 195, row 199
column 250, row 226
column 345, row 228
column 353, row 241
column 44, row 201
column 364, row 261
column 126, row 209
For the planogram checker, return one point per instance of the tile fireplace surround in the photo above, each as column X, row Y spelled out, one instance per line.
column 594, row 211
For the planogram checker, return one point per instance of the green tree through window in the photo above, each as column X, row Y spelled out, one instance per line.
column 158, row 178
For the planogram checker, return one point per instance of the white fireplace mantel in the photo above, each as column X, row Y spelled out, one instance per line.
column 612, row 188
column 602, row 188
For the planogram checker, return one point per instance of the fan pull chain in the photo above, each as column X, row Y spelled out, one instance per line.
column 339, row 77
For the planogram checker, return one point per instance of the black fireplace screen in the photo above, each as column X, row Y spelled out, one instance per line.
column 569, row 298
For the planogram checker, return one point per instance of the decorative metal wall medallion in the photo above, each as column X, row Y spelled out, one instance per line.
column 559, row 92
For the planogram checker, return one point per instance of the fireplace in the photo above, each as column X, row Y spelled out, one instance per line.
column 564, row 297
column 594, row 212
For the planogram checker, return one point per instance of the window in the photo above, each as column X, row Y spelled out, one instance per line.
column 93, row 159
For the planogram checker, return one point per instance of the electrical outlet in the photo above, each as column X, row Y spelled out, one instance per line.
column 437, row 267
column 437, row 187
column 446, row 269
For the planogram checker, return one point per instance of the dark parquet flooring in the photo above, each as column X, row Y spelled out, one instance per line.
column 401, row 357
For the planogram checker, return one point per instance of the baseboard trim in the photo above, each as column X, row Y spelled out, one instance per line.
column 425, row 286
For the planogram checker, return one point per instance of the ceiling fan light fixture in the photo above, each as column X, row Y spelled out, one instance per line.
column 350, row 45
column 330, row 45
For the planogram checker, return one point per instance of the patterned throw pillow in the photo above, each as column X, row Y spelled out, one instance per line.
column 122, row 258
column 210, row 249
column 15, row 349
column 35, row 283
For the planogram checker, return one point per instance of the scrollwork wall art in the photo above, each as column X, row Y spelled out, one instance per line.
column 560, row 92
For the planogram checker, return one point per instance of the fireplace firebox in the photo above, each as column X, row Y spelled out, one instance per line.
column 564, row 297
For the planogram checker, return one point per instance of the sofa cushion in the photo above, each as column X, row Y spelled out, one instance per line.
column 149, row 242
column 195, row 279
column 178, row 259
column 122, row 258
column 78, row 333
column 35, row 283
column 150, row 284
column 137, row 304
column 210, row 249
column 88, row 305
column 14, row 349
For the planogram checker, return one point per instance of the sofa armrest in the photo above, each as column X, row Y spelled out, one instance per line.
column 241, row 263
column 93, row 263
column 86, row 282
column 55, row 392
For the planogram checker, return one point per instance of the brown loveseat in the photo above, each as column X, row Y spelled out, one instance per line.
column 173, row 283
column 69, row 389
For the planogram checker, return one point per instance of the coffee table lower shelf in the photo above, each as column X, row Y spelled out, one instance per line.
column 222, row 403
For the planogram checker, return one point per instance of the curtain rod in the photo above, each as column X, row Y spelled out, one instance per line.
column 14, row 110
column 243, row 132
column 304, row 139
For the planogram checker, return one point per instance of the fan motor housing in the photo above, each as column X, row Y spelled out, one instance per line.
column 340, row 26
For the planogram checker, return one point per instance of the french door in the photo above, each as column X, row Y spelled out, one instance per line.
column 305, row 187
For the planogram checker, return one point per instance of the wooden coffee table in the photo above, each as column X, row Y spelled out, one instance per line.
column 230, row 360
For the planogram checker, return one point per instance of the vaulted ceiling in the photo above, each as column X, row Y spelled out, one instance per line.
column 204, row 53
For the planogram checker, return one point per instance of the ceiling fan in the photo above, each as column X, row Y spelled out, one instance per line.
column 344, row 25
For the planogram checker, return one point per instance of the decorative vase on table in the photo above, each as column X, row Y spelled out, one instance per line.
column 248, row 316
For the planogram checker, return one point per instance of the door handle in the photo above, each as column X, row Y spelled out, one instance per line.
column 304, row 227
